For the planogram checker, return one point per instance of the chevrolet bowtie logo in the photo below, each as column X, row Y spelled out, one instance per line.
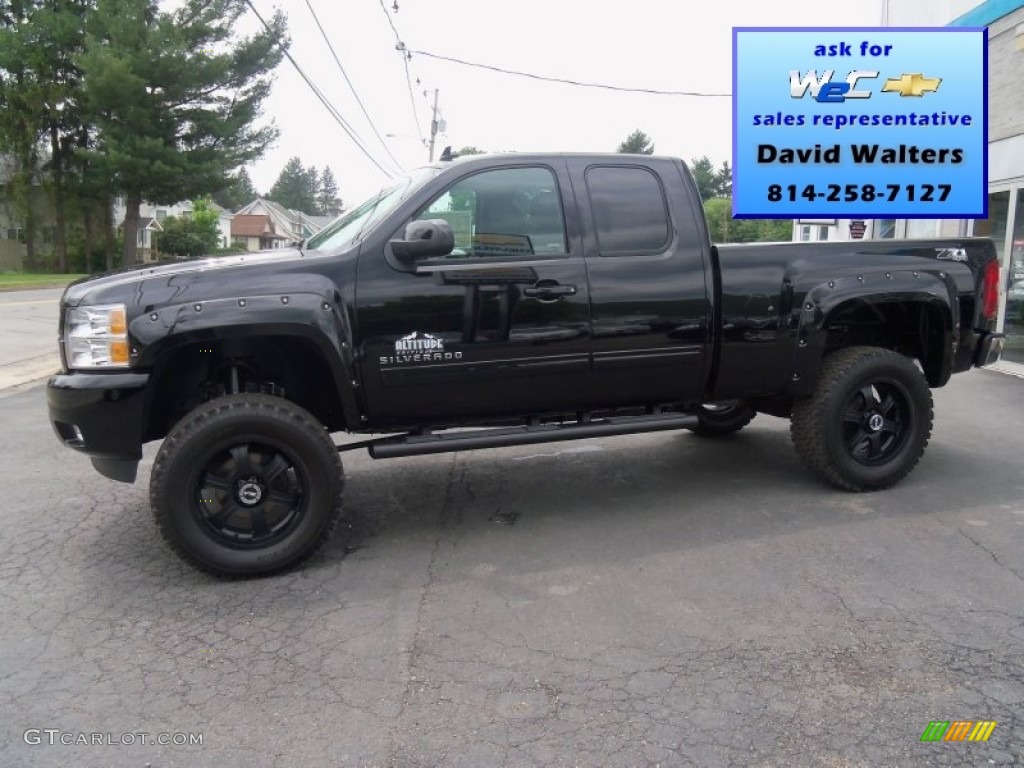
column 911, row 85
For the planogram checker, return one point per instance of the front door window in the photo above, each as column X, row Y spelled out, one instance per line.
column 502, row 214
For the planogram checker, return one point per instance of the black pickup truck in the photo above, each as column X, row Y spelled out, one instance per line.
column 493, row 301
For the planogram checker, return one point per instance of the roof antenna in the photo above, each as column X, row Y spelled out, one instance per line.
column 447, row 155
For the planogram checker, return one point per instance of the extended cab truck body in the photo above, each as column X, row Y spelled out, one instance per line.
column 541, row 297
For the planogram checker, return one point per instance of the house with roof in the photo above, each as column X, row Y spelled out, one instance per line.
column 256, row 232
column 150, row 216
column 294, row 225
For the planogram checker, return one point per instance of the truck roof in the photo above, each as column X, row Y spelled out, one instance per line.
column 542, row 156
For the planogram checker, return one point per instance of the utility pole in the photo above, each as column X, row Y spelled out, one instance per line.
column 433, row 127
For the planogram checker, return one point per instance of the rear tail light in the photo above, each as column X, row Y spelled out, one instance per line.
column 990, row 290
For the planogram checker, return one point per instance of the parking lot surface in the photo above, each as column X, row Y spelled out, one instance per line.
column 648, row 600
column 28, row 345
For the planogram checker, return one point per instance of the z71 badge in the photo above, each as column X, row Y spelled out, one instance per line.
column 419, row 347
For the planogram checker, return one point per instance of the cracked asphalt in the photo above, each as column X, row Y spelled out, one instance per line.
column 638, row 601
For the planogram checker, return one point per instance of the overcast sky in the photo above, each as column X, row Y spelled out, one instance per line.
column 654, row 44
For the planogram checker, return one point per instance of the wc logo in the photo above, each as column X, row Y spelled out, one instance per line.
column 822, row 88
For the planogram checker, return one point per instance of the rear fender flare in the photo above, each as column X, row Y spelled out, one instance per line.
column 810, row 319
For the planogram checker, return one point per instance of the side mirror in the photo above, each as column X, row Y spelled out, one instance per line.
column 423, row 239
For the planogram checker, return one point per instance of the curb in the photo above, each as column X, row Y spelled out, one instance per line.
column 15, row 377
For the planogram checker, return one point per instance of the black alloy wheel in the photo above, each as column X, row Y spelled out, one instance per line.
column 868, row 422
column 247, row 485
column 250, row 495
column 875, row 422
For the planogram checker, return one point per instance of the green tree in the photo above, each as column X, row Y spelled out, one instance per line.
column 711, row 182
column 195, row 236
column 22, row 106
column 704, row 175
column 297, row 187
column 637, row 143
column 718, row 212
column 175, row 96
column 470, row 150
column 238, row 191
column 328, row 202
column 55, row 32
column 774, row 230
column 723, row 180
column 725, row 229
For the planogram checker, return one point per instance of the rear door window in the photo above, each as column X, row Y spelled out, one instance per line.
column 630, row 210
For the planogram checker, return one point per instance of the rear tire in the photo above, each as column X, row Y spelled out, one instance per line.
column 719, row 419
column 868, row 422
column 247, row 485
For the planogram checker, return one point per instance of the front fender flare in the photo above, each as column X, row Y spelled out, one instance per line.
column 320, row 320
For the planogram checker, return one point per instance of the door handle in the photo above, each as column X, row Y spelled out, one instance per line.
column 549, row 290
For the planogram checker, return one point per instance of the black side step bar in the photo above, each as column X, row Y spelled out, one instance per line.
column 467, row 440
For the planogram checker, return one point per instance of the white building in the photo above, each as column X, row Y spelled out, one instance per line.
column 150, row 216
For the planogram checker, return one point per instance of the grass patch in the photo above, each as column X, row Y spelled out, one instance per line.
column 12, row 281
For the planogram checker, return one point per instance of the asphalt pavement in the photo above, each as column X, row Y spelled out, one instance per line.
column 28, row 342
column 645, row 600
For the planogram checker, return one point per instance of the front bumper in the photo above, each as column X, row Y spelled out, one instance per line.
column 100, row 414
column 989, row 349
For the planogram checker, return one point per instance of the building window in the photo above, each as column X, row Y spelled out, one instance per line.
column 1013, row 316
column 995, row 225
column 140, row 238
column 823, row 233
column 922, row 228
column 805, row 234
column 885, row 229
column 161, row 214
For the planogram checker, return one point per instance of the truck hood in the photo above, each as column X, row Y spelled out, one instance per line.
column 120, row 282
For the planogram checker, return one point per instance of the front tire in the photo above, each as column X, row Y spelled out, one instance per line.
column 868, row 422
column 247, row 485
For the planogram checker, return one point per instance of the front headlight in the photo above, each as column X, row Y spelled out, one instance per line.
column 96, row 337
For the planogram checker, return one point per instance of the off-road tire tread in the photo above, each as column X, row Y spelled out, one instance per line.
column 718, row 430
column 202, row 418
column 809, row 414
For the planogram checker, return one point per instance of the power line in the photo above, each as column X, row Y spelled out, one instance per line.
column 350, row 85
column 323, row 99
column 400, row 47
column 412, row 99
column 398, row 38
column 564, row 81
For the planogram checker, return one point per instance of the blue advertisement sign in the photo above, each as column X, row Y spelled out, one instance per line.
column 859, row 122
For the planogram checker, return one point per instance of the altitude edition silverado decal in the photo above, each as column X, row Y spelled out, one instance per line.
column 419, row 347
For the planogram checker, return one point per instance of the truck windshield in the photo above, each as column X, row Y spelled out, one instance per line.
column 349, row 227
